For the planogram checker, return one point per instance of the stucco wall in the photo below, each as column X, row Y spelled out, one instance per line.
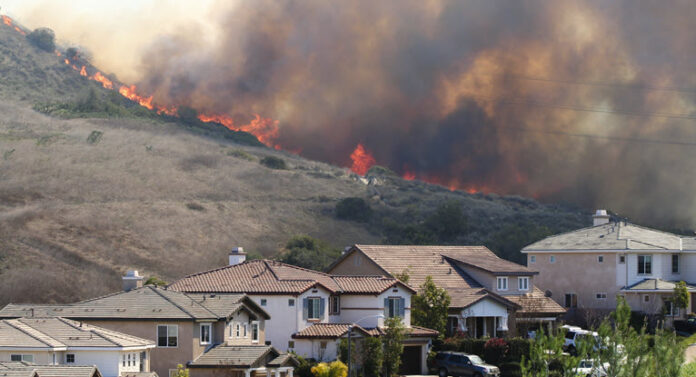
column 40, row 357
column 578, row 273
column 357, row 307
column 358, row 264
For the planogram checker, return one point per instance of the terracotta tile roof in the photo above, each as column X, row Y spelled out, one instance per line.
column 328, row 331
column 146, row 303
column 239, row 357
column 656, row 285
column 413, row 331
column 536, row 303
column 266, row 276
column 60, row 333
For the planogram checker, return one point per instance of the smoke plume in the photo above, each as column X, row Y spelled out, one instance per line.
column 590, row 102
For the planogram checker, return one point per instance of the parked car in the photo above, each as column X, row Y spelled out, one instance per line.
column 591, row 368
column 574, row 334
column 687, row 326
column 462, row 364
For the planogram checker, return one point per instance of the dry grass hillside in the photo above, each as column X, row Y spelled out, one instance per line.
column 83, row 200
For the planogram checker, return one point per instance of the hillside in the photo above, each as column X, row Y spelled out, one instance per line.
column 82, row 200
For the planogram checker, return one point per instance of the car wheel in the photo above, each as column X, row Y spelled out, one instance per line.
column 443, row 372
column 477, row 375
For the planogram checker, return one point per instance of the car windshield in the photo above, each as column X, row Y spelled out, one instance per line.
column 475, row 359
column 570, row 335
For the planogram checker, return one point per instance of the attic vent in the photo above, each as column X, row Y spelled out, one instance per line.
column 57, row 309
column 449, row 272
column 120, row 310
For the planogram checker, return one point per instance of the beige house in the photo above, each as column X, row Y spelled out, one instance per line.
column 490, row 296
column 59, row 341
column 585, row 270
column 26, row 369
column 183, row 327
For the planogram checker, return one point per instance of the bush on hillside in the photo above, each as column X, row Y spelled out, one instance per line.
column 43, row 38
column 355, row 209
column 273, row 162
column 379, row 170
column 308, row 252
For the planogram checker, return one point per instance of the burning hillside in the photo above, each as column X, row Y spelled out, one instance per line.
column 582, row 101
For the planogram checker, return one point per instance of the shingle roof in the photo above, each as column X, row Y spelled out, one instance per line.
column 24, row 369
column 536, row 303
column 61, row 333
column 236, row 356
column 614, row 236
column 327, row 331
column 656, row 285
column 146, row 303
column 266, row 276
column 413, row 331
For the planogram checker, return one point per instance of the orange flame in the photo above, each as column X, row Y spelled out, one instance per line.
column 8, row 21
column 129, row 92
column 83, row 71
column 409, row 175
column 106, row 83
column 362, row 160
column 265, row 129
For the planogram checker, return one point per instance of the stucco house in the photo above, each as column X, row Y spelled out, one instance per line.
column 586, row 269
column 185, row 329
column 59, row 341
column 312, row 310
column 27, row 369
column 490, row 296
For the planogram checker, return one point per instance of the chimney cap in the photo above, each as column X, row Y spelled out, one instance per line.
column 601, row 212
column 132, row 275
column 237, row 250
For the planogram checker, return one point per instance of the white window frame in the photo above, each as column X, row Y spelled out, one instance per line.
column 644, row 265
column 524, row 279
column 552, row 259
column 502, row 287
column 674, row 310
column 255, row 325
column 210, row 333
column 393, row 306
column 23, row 357
column 238, row 330
column 532, row 259
column 600, row 296
column 168, row 336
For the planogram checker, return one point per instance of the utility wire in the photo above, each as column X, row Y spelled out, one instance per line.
column 603, row 137
column 602, row 84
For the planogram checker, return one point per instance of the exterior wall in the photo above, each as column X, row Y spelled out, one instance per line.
column 108, row 362
column 358, row 264
column 242, row 318
column 40, row 357
column 578, row 273
column 484, row 278
column 161, row 359
column 311, row 348
column 366, row 308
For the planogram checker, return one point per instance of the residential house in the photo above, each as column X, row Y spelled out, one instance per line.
column 26, row 369
column 59, row 341
column 312, row 310
column 184, row 327
column 584, row 270
column 490, row 296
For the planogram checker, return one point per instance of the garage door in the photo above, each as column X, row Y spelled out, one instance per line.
column 411, row 361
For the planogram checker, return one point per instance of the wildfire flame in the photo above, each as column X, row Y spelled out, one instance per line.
column 83, row 71
column 362, row 160
column 130, row 93
column 106, row 83
column 265, row 129
column 8, row 21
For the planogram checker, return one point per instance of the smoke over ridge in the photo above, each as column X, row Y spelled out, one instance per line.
column 590, row 102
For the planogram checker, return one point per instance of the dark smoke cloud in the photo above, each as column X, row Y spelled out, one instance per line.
column 478, row 94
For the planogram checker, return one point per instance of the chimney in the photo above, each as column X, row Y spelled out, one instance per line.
column 132, row 280
column 600, row 217
column 237, row 256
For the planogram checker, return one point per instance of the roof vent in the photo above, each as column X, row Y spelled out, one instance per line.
column 600, row 217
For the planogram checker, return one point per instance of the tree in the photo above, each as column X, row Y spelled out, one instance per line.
column 343, row 351
column 681, row 296
column 334, row 369
column 372, row 356
column 430, row 306
column 447, row 222
column 43, row 38
column 181, row 371
column 355, row 209
column 188, row 115
column 156, row 281
column 393, row 345
column 308, row 252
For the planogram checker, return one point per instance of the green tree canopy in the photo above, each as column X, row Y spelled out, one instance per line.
column 43, row 38
column 393, row 345
column 430, row 306
column 308, row 252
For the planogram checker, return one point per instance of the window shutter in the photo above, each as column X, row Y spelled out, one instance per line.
column 386, row 308
column 321, row 307
column 402, row 309
column 305, row 308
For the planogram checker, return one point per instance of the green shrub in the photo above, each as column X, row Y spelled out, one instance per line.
column 43, row 38
column 518, row 347
column 94, row 137
column 381, row 171
column 308, row 252
column 471, row 345
column 304, row 368
column 355, row 209
column 273, row 162
column 238, row 153
column 495, row 350
column 510, row 369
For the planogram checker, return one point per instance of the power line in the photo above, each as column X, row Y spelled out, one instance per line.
column 602, row 84
column 604, row 137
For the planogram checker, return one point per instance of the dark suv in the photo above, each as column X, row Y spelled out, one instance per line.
column 462, row 364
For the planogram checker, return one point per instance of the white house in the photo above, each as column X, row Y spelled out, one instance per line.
column 589, row 267
column 59, row 341
column 302, row 302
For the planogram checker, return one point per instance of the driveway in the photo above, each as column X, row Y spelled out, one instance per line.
column 690, row 354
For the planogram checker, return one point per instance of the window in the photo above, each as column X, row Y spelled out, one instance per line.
column 532, row 259
column 622, row 259
column 334, row 305
column 238, row 329
column 523, row 284
column 314, row 307
column 322, row 345
column 670, row 309
column 452, row 325
column 167, row 335
column 70, row 358
column 601, row 296
column 675, row 263
column 255, row 332
column 263, row 302
column 246, row 327
column 644, row 264
column 646, row 298
column 394, row 307
column 123, row 360
column 291, row 302
column 129, row 359
column 27, row 358
column 291, row 345
column 357, row 260
column 502, row 283
column 552, row 259
column 571, row 300
column 600, row 259
column 205, row 333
